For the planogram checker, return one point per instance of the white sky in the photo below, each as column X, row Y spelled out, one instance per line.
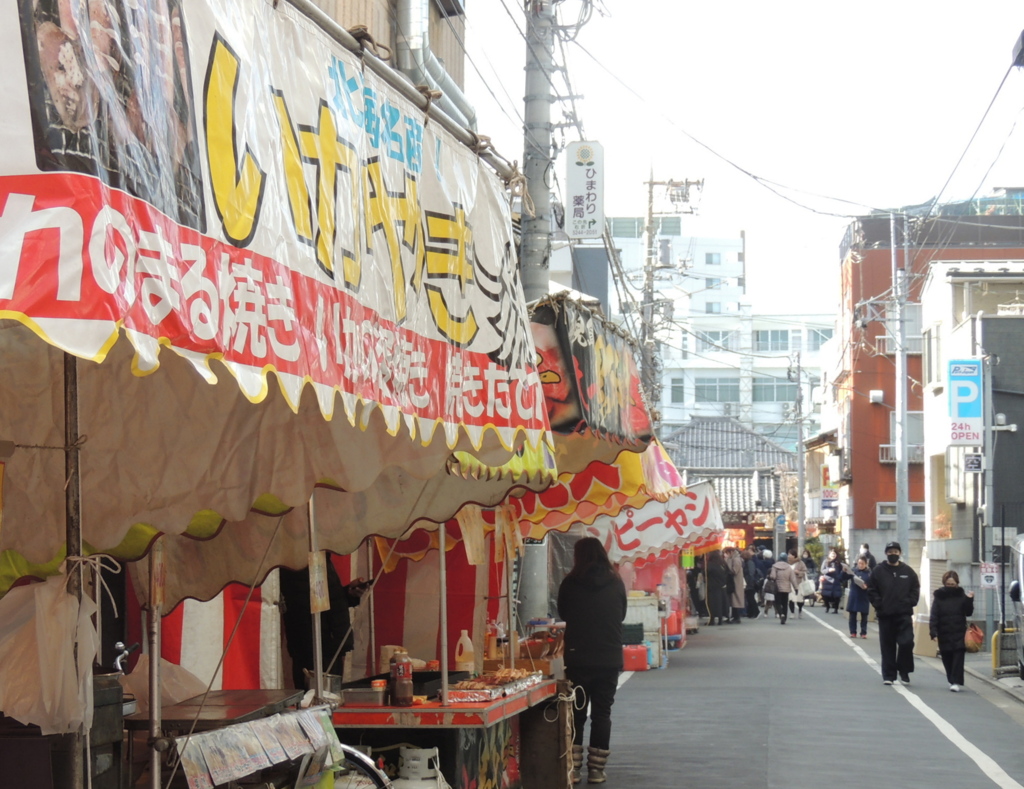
column 872, row 101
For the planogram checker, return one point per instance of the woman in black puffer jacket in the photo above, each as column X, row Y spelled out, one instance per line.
column 951, row 606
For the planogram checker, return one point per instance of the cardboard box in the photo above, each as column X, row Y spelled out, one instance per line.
column 550, row 667
column 923, row 644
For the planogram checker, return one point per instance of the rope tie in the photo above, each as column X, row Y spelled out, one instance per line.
column 96, row 562
column 517, row 186
column 362, row 34
column 431, row 96
column 77, row 445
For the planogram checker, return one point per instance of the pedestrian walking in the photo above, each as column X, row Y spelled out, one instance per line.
column 796, row 599
column 832, row 581
column 809, row 563
column 734, row 584
column 894, row 589
column 752, row 580
column 857, row 602
column 785, row 583
column 865, row 551
column 698, row 588
column 951, row 606
column 592, row 603
column 717, row 596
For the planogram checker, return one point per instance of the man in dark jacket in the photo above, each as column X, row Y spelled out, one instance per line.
column 752, row 580
column 336, row 629
column 894, row 590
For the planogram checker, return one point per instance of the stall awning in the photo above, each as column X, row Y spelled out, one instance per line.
column 688, row 520
column 278, row 275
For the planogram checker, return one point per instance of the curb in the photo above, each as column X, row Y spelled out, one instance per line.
column 992, row 682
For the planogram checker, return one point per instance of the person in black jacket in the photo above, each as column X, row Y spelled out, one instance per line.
column 951, row 606
column 717, row 596
column 894, row 589
column 592, row 602
column 335, row 624
column 753, row 578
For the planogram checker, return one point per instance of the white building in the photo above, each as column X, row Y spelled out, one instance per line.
column 718, row 357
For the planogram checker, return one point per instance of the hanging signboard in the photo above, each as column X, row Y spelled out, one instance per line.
column 249, row 192
column 989, row 575
column 966, row 420
column 584, row 213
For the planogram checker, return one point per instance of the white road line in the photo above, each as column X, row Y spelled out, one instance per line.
column 986, row 763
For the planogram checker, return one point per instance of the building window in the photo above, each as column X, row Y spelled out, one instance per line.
column 773, row 390
column 716, row 341
column 713, row 307
column 771, row 340
column 677, row 392
column 914, row 427
column 886, row 515
column 716, row 390
column 713, row 258
column 817, row 337
column 710, row 283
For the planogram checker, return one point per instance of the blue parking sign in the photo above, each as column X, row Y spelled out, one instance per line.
column 966, row 417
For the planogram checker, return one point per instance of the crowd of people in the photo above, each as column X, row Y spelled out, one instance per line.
column 731, row 585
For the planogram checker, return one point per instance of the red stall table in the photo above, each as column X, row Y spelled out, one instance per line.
column 511, row 736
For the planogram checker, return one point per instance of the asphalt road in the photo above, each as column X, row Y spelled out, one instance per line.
column 801, row 706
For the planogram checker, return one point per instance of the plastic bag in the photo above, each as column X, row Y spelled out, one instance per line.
column 973, row 638
column 176, row 683
column 40, row 683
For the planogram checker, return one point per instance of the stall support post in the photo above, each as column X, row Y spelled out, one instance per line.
column 510, row 568
column 442, row 539
column 73, row 534
column 156, row 603
column 318, row 657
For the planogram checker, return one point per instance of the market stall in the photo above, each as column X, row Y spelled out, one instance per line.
column 287, row 326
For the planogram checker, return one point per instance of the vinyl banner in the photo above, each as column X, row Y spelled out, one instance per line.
column 222, row 178
column 589, row 374
column 689, row 520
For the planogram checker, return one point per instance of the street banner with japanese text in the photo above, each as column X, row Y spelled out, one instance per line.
column 222, row 178
column 689, row 520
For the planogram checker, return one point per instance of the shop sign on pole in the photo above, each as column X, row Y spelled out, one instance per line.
column 585, row 190
column 966, row 422
column 973, row 463
column 989, row 575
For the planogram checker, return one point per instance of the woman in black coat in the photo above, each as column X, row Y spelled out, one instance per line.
column 592, row 601
column 951, row 606
column 718, row 597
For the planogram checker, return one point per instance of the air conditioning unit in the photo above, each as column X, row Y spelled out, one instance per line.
column 726, row 409
column 786, row 408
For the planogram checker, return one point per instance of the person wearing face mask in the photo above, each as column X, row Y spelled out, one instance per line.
column 894, row 589
column 951, row 606
column 866, row 555
column 832, row 581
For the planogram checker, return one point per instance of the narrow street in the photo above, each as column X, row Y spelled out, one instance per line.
column 801, row 706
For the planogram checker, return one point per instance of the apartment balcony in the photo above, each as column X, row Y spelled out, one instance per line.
column 887, row 453
column 886, row 345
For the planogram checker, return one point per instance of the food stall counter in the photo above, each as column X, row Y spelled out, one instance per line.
column 432, row 714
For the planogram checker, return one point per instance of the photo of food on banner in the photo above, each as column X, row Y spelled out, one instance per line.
column 110, row 93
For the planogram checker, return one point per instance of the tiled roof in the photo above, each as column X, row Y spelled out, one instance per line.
column 739, row 492
column 721, row 442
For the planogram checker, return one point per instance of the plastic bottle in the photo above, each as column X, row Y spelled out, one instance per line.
column 491, row 653
column 465, row 655
column 401, row 679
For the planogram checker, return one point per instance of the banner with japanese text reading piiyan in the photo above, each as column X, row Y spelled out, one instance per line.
column 222, row 178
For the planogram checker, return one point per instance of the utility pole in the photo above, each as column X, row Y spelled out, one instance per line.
column 800, row 469
column 537, row 158
column 679, row 194
column 535, row 250
column 899, row 301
